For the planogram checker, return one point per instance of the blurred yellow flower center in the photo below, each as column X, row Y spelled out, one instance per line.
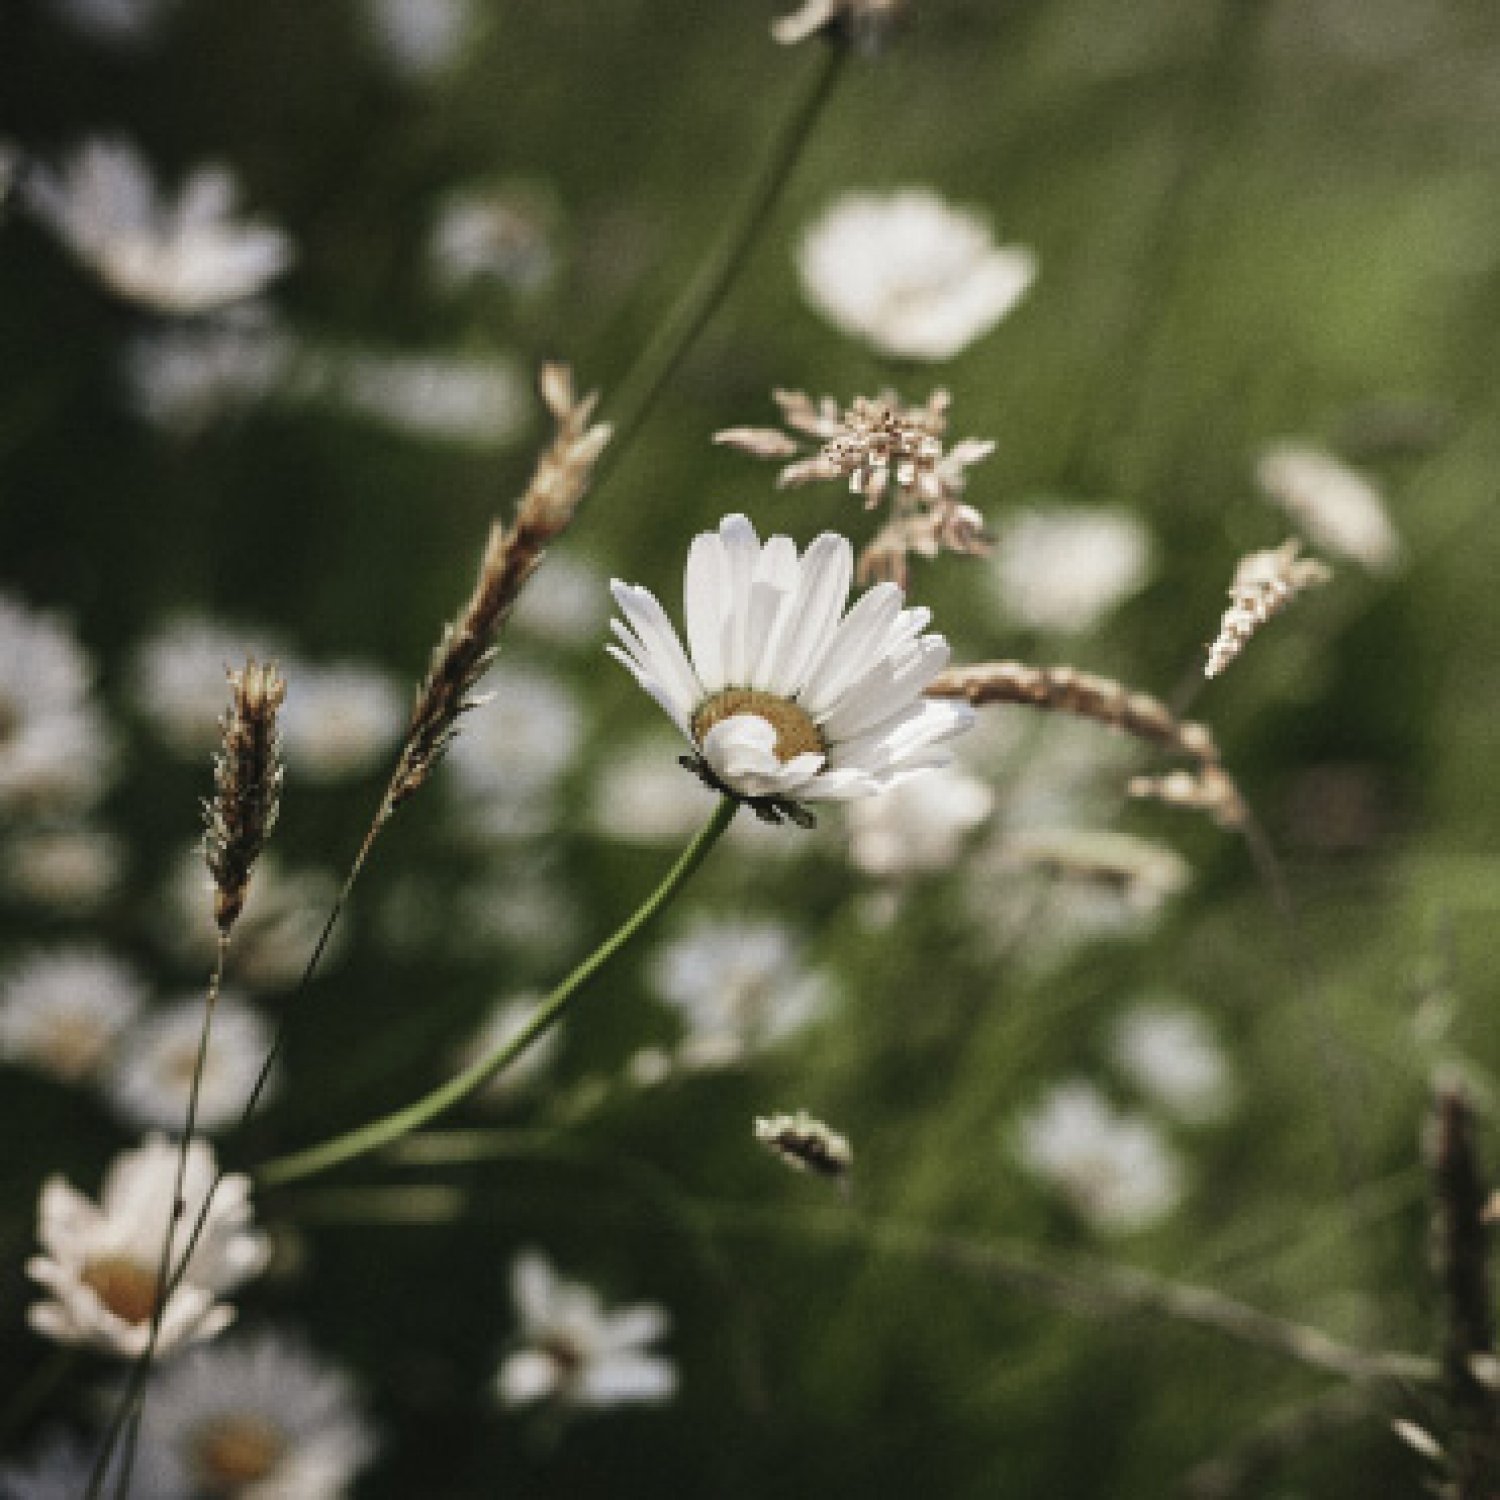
column 795, row 731
column 126, row 1287
column 230, row 1453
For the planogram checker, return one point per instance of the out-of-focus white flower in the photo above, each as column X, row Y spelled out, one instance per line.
column 909, row 273
column 56, row 750
column 182, row 379
column 274, row 934
column 99, row 1262
column 148, row 1084
column 740, row 985
column 566, row 604
column 62, row 1011
column 865, row 22
column 1173, row 1057
column 1338, row 509
column 340, row 720
column 59, row 1470
column 574, row 1352
column 180, row 678
column 257, row 1417
column 1116, row 1170
column 522, row 739
column 479, row 401
column 1064, row 568
column 418, row 39
column 525, row 908
column 919, row 826
column 69, row 868
column 786, row 698
column 116, row 23
column 1133, row 874
column 506, row 1020
column 188, row 256
column 504, row 235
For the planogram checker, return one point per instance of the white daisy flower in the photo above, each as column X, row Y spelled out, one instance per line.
column 188, row 256
column 1116, row 1170
column 419, row 39
column 782, row 699
column 740, row 985
column 59, row 1470
column 258, row 1417
column 574, row 1352
column 909, row 273
column 180, row 682
column 1171, row 1054
column 63, row 1011
column 1064, row 568
column 1334, row 506
column 920, row 826
column 99, row 1262
column 480, row 401
column 69, row 869
column 505, row 1021
column 55, row 747
column 505, row 235
column 149, row 1083
column 340, row 720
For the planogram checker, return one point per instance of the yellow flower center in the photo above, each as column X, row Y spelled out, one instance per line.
column 230, row 1453
column 795, row 731
column 126, row 1287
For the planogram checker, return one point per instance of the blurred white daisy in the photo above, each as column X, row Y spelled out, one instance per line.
column 1064, row 568
column 521, row 739
column 62, row 1011
column 69, row 868
column 1336, row 507
column 909, row 273
column 919, row 826
column 524, row 907
column 60, row 1469
column 56, row 751
column 782, row 699
column 1116, row 1170
column 503, row 235
column 419, row 39
column 1170, row 1053
column 506, row 1020
column 257, row 1417
column 275, row 933
column 180, row 682
column 566, row 604
column 183, row 378
column 740, row 984
column 118, row 23
column 576, row 1353
column 184, row 256
column 483, row 401
column 99, row 1262
column 152, row 1073
column 340, row 720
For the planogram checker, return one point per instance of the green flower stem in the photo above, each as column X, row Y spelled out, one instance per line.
column 389, row 1128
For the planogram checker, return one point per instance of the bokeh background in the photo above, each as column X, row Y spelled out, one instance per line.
column 1255, row 220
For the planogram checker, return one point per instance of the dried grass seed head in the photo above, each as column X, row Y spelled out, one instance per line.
column 861, row 23
column 806, row 1145
column 1264, row 584
column 248, row 776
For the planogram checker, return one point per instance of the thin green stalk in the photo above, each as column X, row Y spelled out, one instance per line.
column 680, row 329
column 392, row 1127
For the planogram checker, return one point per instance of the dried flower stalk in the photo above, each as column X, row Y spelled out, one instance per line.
column 511, row 555
column 806, row 1145
column 1208, row 786
column 1264, row 584
column 248, row 774
column 882, row 449
column 862, row 22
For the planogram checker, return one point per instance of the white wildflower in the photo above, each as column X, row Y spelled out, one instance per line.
column 188, row 256
column 783, row 700
column 70, row 868
column 258, row 1417
column 909, row 273
column 481, row 401
column 740, row 985
column 1340, row 510
column 419, row 39
column 152, row 1074
column 1064, row 568
column 505, row 235
column 100, row 1261
column 1116, row 1170
column 62, row 1010
column 340, row 720
column 522, row 738
column 576, row 1353
column 920, row 826
column 1170, row 1054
